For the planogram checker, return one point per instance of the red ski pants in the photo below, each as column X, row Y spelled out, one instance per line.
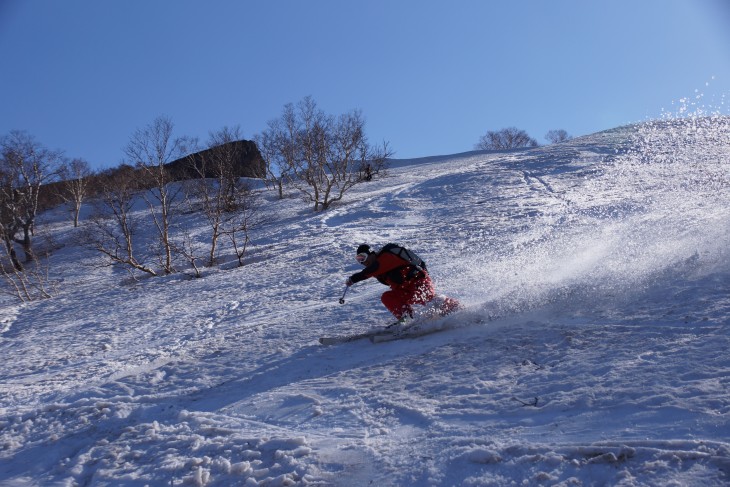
column 400, row 298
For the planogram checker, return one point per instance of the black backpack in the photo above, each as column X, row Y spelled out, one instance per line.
column 408, row 255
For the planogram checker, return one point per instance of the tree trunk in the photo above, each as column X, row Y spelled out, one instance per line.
column 27, row 243
column 13, row 255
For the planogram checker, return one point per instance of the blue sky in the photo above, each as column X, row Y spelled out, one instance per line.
column 430, row 76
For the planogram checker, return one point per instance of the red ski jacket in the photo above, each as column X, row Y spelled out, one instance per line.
column 390, row 270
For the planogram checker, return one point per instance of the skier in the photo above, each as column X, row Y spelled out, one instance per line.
column 409, row 282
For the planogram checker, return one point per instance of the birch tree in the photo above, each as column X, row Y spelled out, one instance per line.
column 150, row 149
column 112, row 229
column 75, row 185
column 322, row 155
column 217, row 190
column 25, row 166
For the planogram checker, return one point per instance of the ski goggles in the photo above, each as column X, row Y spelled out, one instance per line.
column 362, row 257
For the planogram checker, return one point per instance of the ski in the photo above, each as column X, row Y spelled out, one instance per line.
column 351, row 338
column 413, row 331
column 421, row 326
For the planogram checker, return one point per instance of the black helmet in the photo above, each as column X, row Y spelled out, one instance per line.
column 363, row 252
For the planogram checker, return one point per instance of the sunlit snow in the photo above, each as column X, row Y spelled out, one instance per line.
column 593, row 349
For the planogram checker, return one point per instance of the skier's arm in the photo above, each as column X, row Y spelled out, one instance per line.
column 366, row 273
column 382, row 265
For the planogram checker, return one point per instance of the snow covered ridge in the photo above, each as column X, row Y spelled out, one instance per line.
column 593, row 350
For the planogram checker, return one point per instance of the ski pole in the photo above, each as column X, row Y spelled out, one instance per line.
column 342, row 299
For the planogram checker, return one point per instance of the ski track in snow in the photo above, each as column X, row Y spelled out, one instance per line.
column 593, row 350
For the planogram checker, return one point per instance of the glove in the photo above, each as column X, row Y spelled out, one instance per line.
column 349, row 282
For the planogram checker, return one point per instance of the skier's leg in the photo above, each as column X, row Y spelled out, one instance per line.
column 397, row 303
column 421, row 291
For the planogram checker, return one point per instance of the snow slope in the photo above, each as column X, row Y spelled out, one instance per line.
column 593, row 350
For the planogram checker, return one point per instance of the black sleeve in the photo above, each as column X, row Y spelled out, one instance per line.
column 366, row 273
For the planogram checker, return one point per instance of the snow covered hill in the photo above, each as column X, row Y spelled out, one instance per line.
column 593, row 350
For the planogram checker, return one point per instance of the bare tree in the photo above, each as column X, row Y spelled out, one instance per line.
column 28, row 284
column 507, row 138
column 24, row 167
column 266, row 145
column 224, row 157
column 556, row 136
column 324, row 155
column 217, row 189
column 278, row 147
column 151, row 148
column 186, row 247
column 112, row 228
column 238, row 223
column 75, row 183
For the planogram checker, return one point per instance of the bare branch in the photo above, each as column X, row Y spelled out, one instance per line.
column 151, row 149
column 321, row 155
